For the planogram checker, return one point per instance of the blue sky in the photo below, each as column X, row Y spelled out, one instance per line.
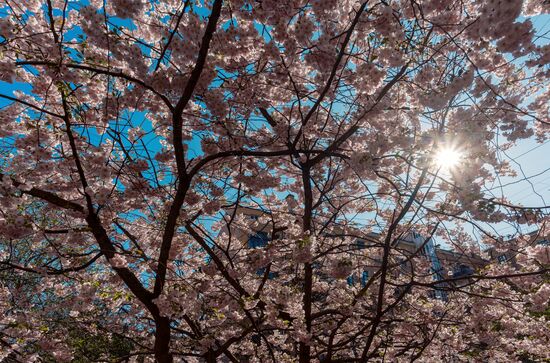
column 529, row 158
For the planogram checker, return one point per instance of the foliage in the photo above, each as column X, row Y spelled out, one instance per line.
column 143, row 142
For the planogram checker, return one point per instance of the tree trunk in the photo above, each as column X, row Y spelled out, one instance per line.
column 162, row 340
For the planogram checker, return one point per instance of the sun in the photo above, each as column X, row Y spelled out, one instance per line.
column 447, row 158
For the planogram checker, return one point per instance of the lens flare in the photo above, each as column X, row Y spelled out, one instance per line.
column 447, row 158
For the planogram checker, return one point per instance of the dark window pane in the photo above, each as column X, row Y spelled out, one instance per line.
column 259, row 239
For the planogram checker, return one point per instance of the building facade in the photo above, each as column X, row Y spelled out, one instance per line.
column 445, row 265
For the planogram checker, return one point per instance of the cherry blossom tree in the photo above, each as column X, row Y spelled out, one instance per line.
column 136, row 130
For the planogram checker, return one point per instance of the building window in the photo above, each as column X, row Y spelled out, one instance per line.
column 353, row 279
column 364, row 278
column 259, row 239
column 270, row 275
column 463, row 271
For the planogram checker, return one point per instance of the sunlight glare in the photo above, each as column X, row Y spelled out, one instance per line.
column 447, row 158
